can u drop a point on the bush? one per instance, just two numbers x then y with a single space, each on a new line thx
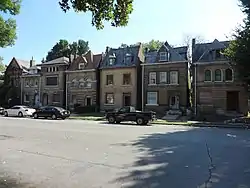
84 109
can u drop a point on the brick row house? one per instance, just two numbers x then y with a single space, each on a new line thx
120 77
215 86
158 80
166 77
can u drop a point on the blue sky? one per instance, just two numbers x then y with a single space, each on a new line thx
41 24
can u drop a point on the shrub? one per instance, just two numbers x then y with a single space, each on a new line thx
84 109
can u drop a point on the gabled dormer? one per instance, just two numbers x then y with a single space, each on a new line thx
214 51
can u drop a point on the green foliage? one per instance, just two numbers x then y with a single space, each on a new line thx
64 49
152 45
239 48
8 27
114 11
2 66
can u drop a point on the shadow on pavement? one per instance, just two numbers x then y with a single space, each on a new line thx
198 157
12 183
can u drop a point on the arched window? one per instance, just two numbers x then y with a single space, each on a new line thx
229 74
89 83
208 75
218 76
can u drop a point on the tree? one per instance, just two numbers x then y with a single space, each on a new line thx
239 48
2 66
64 49
152 45
115 11
8 27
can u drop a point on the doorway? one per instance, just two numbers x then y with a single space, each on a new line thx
45 99
174 102
88 101
232 100
126 99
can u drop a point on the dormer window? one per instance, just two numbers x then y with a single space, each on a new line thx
128 58
81 66
111 61
218 54
164 56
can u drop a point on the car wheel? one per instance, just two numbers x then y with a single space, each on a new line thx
111 119
146 122
20 114
63 118
6 114
35 116
139 121
54 117
118 122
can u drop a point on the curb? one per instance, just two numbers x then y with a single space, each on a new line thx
233 126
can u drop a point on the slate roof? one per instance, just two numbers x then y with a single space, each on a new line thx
204 52
119 54
61 60
176 54
23 63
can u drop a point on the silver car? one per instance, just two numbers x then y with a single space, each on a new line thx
19 111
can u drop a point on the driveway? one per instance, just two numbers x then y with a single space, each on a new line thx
86 154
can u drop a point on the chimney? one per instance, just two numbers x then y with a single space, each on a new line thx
32 62
193 43
107 49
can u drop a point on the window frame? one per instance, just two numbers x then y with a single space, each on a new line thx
155 103
163 80
46 81
221 75
210 71
166 56
123 80
25 98
107 79
79 66
226 75
170 80
55 101
150 78
106 98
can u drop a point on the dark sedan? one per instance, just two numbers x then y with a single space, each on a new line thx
51 112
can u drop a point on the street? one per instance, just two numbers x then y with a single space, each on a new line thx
88 154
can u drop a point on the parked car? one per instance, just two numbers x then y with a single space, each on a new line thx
129 113
19 111
51 112
1 110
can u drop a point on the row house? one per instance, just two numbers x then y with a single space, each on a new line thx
216 87
120 77
81 81
166 77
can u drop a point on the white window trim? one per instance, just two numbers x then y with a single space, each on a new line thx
110 104
81 64
232 76
163 81
156 104
211 75
170 78
221 76
149 78
166 56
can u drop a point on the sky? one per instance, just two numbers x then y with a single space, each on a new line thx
41 23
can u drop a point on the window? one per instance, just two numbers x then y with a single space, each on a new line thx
27 83
88 83
54 69
81 66
173 77
111 61
26 98
57 68
217 54
51 81
109 98
163 77
152 78
229 75
126 79
88 101
56 98
36 82
109 79
218 76
152 98
163 56
208 75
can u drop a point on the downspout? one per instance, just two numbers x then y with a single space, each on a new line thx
142 86
40 82
195 89
21 100
66 92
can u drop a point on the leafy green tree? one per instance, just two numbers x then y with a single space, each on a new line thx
64 49
8 27
114 11
152 45
239 48
2 66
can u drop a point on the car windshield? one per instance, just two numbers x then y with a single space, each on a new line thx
59 109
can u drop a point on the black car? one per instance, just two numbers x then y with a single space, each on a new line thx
1 110
129 113
51 112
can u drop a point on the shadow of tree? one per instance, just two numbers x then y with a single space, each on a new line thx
7 182
199 157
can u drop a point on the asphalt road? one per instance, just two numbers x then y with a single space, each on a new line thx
85 154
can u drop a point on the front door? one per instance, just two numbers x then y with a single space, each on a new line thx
232 100
127 99
174 102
